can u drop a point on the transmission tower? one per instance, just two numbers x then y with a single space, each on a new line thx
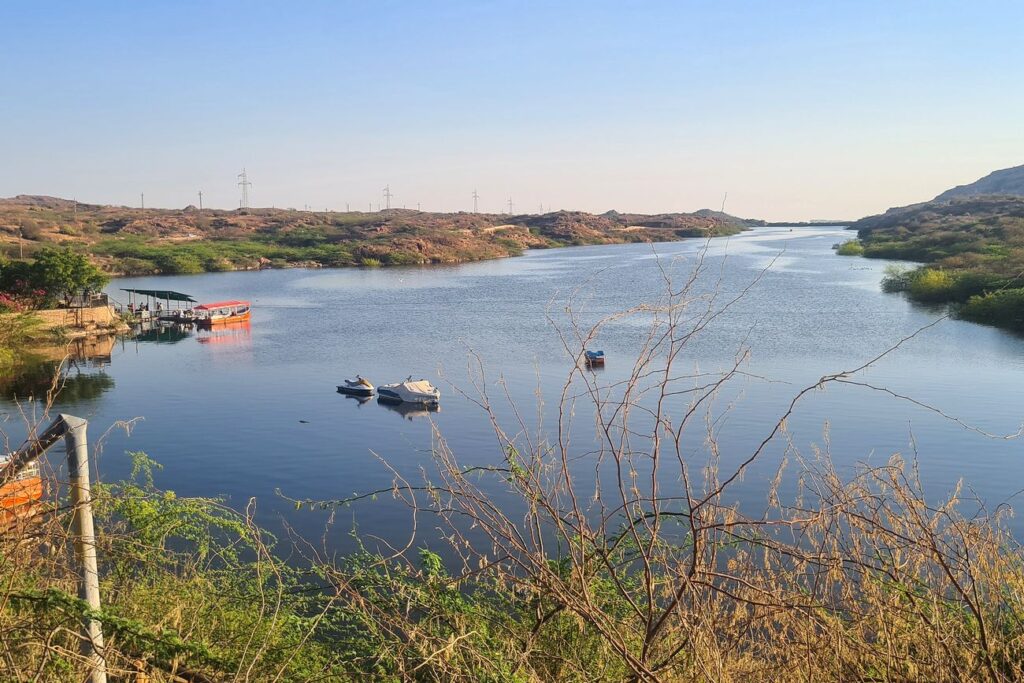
387 197
142 200
245 185
476 198
509 206
200 200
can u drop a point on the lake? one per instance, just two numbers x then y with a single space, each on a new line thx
242 413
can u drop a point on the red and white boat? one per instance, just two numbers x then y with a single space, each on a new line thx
222 313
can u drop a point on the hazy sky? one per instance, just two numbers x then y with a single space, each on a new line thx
797 109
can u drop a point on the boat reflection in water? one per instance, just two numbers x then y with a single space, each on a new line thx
161 333
226 334
360 400
410 410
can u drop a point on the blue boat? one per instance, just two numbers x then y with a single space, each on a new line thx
594 357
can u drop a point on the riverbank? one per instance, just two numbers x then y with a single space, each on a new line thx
127 241
971 250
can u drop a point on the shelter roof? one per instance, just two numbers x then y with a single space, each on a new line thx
165 294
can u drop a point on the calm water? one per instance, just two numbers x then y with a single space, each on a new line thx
242 413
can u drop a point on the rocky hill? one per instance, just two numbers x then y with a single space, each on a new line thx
139 241
1008 181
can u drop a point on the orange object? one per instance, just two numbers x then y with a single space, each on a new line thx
222 312
27 487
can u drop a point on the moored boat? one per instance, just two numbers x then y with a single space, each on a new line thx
26 487
594 357
410 391
360 386
222 312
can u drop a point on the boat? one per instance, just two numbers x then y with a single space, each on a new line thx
410 391
26 487
594 357
222 313
357 387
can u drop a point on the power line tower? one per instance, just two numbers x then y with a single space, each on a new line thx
509 206
723 201
200 200
245 185
387 197
476 198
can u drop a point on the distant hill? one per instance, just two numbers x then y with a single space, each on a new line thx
978 216
1008 181
127 240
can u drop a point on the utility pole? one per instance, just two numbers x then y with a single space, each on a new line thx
200 200
476 198
723 201
387 197
245 185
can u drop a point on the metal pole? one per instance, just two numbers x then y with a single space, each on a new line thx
85 538
73 430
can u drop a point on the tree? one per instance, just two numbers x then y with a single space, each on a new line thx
30 229
62 273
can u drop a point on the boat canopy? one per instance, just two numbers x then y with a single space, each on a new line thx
421 386
221 304
165 294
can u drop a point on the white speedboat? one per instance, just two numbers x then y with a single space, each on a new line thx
409 391
359 386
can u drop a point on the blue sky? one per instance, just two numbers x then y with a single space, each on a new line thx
796 109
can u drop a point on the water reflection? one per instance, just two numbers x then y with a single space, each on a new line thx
410 410
70 374
360 400
229 334
161 333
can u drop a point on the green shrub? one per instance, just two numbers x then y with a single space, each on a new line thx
179 264
975 283
135 266
1004 308
896 278
931 286
30 229
850 248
